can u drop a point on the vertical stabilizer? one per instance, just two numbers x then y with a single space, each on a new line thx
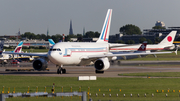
18 49
143 46
168 40
51 42
104 37
1 45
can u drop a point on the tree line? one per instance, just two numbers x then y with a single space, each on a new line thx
58 37
128 29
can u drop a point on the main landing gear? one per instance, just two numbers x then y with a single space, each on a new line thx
61 70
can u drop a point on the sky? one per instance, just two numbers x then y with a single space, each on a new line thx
36 16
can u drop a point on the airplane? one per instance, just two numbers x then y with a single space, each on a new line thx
81 53
141 49
165 44
18 49
6 57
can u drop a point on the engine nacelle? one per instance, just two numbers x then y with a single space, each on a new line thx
40 64
102 64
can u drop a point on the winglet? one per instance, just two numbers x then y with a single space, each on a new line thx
168 40
143 46
104 37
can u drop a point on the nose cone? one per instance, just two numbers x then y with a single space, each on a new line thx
53 57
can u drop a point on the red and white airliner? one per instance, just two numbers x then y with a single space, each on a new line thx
165 44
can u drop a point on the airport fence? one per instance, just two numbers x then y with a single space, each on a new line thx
87 93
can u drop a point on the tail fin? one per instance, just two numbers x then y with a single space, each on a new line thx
18 49
168 40
1 45
143 46
51 42
104 37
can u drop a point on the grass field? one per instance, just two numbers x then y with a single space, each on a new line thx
127 85
153 74
160 57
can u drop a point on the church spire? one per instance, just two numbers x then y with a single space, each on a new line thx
70 29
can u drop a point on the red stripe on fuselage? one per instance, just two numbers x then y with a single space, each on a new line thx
137 48
83 52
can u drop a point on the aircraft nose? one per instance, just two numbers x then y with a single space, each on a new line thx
52 57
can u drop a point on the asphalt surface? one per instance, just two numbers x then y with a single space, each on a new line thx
115 69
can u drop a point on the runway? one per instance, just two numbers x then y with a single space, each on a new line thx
113 71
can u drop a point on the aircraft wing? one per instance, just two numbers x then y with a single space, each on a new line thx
123 54
28 54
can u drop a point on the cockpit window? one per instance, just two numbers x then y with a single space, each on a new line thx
58 49
55 49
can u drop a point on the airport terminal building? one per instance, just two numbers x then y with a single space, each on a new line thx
35 43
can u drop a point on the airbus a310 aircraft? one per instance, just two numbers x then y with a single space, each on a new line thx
81 53
165 44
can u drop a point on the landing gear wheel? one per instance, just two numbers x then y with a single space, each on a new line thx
59 71
98 72
64 71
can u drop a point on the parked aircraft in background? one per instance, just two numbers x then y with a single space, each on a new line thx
165 44
141 49
81 53
6 57
1 46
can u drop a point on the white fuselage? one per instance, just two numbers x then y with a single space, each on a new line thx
70 53
155 47
5 56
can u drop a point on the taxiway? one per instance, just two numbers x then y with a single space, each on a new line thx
113 71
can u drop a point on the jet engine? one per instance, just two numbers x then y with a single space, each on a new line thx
40 64
102 64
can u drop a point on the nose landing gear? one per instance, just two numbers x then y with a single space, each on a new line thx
61 70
